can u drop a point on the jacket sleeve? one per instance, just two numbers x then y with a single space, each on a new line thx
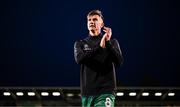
82 56
115 51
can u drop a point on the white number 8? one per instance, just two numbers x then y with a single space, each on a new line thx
108 102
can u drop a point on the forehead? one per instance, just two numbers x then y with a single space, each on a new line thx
94 16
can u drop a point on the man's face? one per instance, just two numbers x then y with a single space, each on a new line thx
94 22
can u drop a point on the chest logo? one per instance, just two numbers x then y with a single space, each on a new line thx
86 47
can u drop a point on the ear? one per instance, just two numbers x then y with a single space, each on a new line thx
102 24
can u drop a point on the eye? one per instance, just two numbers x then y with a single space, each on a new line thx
95 19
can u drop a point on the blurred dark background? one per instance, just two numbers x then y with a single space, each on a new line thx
37 39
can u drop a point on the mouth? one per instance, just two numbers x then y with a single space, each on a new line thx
91 26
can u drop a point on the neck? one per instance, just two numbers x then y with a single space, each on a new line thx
94 33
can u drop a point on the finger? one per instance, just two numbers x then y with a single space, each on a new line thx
104 37
105 31
105 27
110 30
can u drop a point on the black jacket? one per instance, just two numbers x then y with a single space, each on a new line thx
97 65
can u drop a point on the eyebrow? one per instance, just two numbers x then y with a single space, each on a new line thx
93 18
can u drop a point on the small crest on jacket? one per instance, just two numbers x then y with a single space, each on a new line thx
86 47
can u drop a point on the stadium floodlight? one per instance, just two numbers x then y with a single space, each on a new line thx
132 94
44 94
158 94
79 95
56 94
171 94
70 94
120 94
145 94
31 94
19 93
6 93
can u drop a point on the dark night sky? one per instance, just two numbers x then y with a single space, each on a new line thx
37 39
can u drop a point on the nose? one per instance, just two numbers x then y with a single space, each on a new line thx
91 21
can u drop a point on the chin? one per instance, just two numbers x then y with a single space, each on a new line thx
90 29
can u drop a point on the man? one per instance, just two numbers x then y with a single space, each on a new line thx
98 55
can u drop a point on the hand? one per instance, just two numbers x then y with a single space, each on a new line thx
103 41
108 33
